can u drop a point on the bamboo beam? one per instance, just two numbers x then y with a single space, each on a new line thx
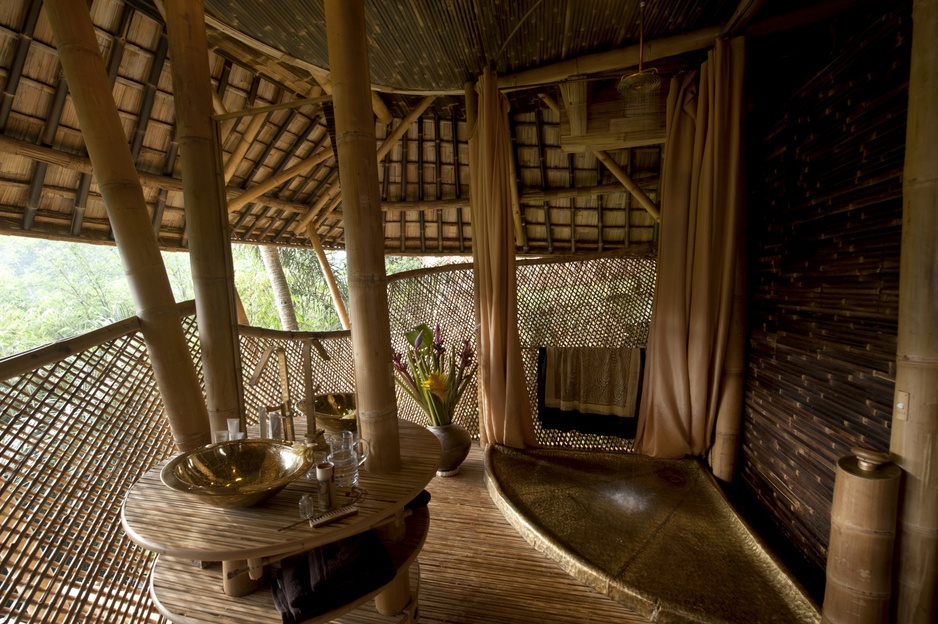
521 239
433 205
15 70
337 300
745 12
226 126
271 107
914 439
104 135
612 60
574 99
82 164
614 167
367 281
206 218
244 143
389 142
405 125
534 196
381 110
255 193
629 184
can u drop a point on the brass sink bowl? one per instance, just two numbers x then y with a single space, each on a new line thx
237 473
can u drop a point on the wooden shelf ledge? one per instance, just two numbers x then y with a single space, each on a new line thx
188 594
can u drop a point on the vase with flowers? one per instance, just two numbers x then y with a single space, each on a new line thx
436 380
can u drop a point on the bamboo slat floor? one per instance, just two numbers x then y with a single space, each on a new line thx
476 569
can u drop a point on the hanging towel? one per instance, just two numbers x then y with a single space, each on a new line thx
590 389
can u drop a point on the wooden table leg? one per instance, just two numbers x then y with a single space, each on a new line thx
395 596
236 578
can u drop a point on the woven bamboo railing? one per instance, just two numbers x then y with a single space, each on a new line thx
81 419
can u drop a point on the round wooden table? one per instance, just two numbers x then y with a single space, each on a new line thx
182 528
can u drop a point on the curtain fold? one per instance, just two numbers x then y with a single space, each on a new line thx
504 408
698 258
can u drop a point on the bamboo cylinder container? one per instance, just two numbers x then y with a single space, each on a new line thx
863 533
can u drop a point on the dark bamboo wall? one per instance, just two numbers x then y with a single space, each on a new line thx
825 222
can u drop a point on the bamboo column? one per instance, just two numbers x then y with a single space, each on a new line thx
120 187
914 442
206 218
367 281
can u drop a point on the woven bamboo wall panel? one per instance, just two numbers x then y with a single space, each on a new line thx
74 436
824 309
598 302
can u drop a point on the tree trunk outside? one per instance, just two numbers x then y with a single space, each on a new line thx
278 282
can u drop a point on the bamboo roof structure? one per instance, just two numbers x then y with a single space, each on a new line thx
270 75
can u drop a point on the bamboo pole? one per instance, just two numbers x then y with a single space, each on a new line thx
367 281
206 218
381 109
255 192
405 124
244 143
269 108
629 184
107 146
612 60
729 421
225 127
914 440
337 300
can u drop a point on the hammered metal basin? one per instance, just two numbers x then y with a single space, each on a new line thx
238 473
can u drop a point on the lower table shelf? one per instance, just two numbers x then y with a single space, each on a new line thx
189 594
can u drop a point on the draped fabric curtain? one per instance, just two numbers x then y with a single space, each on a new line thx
698 257
504 409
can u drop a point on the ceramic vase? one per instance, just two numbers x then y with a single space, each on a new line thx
455 441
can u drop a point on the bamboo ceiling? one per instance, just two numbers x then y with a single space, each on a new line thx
421 54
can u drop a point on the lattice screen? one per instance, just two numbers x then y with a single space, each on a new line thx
76 434
599 302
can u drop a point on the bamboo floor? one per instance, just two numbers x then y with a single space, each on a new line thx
476 568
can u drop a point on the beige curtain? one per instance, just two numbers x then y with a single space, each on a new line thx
504 409
701 212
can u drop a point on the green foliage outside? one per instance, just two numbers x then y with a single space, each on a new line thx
53 290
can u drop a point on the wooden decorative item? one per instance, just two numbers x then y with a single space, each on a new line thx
863 530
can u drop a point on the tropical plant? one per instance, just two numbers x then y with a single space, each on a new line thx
436 382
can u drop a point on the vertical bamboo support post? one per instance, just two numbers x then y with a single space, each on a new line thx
119 183
914 442
206 216
313 236
729 423
367 280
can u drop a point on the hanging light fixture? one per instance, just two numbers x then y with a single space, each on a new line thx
644 81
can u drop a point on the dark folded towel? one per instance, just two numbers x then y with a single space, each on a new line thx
327 577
